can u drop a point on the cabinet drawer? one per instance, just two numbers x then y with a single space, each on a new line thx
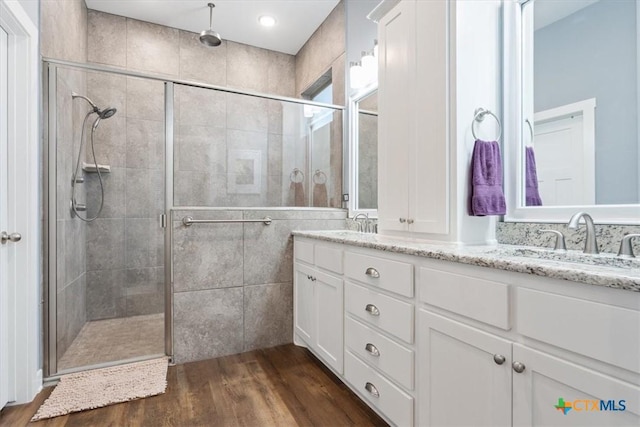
479 299
303 251
377 350
600 331
328 258
387 313
378 391
384 273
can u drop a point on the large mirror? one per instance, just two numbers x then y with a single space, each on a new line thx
578 131
364 115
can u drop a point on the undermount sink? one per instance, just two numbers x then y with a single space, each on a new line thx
576 257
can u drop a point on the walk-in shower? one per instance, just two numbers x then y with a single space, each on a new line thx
126 273
76 178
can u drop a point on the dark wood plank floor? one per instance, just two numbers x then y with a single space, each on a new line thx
280 386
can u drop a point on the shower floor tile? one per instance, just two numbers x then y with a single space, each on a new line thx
110 340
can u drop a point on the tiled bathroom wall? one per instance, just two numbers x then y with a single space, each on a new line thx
233 282
125 246
63 29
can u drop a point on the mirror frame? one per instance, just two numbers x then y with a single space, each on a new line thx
354 101
513 132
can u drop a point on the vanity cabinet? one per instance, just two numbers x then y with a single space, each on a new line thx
465 374
413 145
432 343
318 303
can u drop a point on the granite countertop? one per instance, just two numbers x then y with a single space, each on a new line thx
520 259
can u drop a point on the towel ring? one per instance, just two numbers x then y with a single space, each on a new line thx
479 115
321 175
294 173
530 129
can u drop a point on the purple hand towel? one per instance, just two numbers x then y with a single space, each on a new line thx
487 197
532 195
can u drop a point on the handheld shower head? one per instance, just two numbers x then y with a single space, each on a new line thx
103 114
107 113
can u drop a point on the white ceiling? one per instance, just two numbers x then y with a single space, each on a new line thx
235 20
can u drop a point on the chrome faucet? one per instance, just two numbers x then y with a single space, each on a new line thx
590 243
626 249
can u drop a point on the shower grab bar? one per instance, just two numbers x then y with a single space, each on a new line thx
188 220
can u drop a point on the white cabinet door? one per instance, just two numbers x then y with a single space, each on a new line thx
303 303
318 313
429 154
460 380
396 35
552 391
329 318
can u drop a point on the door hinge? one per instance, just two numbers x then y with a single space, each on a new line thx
163 221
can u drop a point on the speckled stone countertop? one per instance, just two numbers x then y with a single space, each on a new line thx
601 270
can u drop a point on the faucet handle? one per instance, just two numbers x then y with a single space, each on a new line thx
626 249
560 245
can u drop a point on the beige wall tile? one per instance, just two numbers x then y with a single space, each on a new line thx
153 48
247 67
107 39
201 63
63 30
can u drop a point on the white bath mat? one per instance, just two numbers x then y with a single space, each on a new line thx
102 387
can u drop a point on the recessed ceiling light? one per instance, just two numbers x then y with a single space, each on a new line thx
267 21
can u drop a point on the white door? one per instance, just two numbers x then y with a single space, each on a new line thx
20 373
464 374
552 391
4 248
328 307
565 156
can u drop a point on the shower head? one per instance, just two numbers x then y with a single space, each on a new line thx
103 114
209 37
106 113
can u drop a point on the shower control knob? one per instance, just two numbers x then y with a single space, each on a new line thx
13 237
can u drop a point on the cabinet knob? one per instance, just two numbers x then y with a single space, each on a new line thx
373 391
403 220
518 367
372 310
372 272
499 359
409 221
372 350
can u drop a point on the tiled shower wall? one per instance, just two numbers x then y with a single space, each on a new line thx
63 36
125 246
233 282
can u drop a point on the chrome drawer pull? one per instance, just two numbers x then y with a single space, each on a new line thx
372 349
373 391
372 310
372 272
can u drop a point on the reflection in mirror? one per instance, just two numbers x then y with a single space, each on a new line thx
580 102
364 150
368 152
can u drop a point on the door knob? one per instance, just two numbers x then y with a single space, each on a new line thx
409 221
499 359
13 237
403 220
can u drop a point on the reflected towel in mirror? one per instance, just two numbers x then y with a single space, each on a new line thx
532 195
487 197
